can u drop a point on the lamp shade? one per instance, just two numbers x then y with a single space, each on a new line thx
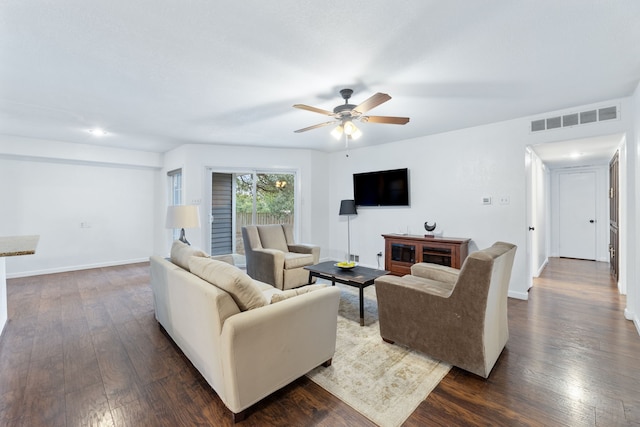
183 216
348 207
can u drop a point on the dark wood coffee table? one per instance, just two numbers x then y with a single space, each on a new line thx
359 277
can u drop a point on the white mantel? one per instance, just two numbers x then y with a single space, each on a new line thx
12 246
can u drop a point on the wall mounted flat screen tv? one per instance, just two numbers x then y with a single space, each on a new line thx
381 188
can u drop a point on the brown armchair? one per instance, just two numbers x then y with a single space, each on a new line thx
274 258
457 316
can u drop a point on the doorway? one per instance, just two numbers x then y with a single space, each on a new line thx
547 161
577 215
242 198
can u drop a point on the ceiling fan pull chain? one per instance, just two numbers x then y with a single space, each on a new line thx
346 144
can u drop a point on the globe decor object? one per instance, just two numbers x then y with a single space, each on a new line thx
429 229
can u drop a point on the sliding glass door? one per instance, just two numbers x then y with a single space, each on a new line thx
245 198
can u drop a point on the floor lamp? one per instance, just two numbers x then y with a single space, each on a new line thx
348 208
183 216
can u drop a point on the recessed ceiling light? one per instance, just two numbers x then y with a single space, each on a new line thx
97 132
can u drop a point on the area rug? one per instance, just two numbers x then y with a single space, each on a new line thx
383 382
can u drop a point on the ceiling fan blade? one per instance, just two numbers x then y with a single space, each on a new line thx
372 102
385 119
313 109
333 122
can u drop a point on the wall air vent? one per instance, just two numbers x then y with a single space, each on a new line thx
554 123
588 117
575 119
570 120
608 113
537 125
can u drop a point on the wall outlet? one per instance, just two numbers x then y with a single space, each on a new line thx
355 258
486 200
379 254
505 200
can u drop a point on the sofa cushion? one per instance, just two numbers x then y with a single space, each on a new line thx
272 237
226 258
230 279
181 253
267 290
289 293
294 260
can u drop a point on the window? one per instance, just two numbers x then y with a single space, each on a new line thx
175 192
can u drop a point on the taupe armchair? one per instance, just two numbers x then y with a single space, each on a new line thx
274 258
457 316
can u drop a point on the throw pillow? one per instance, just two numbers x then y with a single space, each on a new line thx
181 253
230 279
290 293
225 258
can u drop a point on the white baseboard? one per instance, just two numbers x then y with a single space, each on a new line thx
544 264
74 268
518 295
633 317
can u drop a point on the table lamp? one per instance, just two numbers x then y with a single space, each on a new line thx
183 216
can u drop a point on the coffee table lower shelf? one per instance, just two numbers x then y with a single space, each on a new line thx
359 277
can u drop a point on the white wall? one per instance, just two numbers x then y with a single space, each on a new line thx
196 162
450 173
602 209
51 188
630 239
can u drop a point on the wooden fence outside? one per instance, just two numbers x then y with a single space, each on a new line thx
243 219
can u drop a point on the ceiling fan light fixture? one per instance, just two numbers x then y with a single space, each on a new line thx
344 115
349 127
351 130
337 132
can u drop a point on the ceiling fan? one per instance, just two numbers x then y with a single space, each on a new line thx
344 115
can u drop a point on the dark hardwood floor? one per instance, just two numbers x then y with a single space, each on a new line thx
83 348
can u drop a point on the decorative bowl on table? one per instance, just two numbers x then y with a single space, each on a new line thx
345 265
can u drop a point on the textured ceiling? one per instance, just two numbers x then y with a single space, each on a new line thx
158 74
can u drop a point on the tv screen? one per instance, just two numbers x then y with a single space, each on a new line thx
381 188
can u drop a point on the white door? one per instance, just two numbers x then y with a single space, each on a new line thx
577 212
530 206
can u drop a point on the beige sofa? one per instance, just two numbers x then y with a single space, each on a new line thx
243 344
457 316
273 257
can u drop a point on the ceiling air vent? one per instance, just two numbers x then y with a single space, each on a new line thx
575 119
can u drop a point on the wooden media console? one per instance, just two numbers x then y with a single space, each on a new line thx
404 250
